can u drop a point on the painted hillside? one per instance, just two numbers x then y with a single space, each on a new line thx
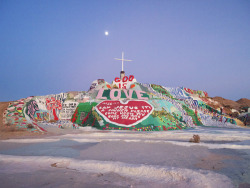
122 105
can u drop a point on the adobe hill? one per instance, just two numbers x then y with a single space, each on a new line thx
244 102
228 105
125 104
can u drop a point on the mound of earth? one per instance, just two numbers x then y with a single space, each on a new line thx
123 105
227 103
244 102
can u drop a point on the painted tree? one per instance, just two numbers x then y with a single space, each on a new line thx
53 104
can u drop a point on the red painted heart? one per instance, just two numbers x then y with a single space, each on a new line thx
124 114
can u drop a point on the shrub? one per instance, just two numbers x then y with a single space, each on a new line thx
195 139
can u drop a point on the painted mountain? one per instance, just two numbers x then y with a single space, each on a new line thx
123 105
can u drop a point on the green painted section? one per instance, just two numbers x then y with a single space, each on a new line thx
191 113
82 110
157 121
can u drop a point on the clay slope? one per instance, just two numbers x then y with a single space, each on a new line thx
3 106
244 102
226 103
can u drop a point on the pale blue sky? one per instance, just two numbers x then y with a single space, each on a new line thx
50 46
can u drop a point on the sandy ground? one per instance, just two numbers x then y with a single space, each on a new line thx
3 106
92 158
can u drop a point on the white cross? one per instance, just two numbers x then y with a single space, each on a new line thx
122 59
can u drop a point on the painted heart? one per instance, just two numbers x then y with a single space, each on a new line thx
124 114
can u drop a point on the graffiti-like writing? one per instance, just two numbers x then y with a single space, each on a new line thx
68 109
117 92
127 114
125 82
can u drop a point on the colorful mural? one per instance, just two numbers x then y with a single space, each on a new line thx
196 92
21 114
172 109
123 105
31 108
53 104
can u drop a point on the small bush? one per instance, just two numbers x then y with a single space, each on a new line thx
54 165
195 139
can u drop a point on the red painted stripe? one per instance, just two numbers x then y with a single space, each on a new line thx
178 126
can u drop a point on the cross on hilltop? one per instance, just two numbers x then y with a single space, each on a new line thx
122 59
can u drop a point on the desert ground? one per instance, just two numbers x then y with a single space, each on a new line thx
92 158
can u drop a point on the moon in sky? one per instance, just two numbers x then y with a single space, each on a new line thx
106 33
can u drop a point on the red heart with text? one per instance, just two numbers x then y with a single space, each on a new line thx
124 114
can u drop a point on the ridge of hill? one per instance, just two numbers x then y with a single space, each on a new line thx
244 102
229 105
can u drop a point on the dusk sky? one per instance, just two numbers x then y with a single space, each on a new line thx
50 46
